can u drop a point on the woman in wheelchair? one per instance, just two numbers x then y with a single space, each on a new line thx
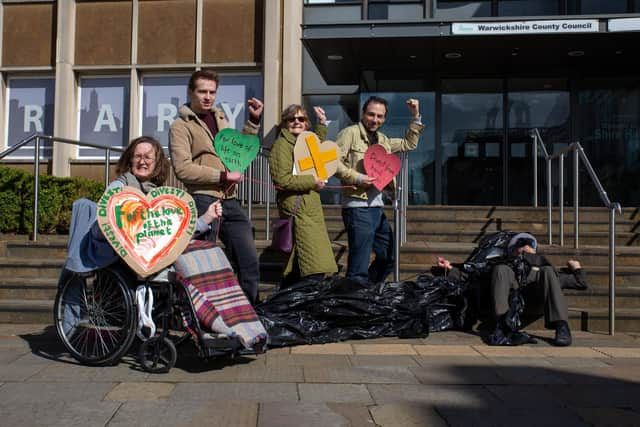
98 313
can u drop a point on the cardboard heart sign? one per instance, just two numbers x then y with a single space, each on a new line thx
148 232
236 150
311 157
381 165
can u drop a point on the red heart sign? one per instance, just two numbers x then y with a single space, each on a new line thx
381 165
148 232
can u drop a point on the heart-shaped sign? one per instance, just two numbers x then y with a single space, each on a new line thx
148 232
312 157
381 165
236 150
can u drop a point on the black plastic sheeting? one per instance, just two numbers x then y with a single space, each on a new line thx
336 309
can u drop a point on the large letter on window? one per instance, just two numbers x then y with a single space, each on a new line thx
105 118
231 114
33 114
166 114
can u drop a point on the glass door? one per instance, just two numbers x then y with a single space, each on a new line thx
542 104
471 142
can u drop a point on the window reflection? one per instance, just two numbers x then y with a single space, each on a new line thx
528 7
162 97
609 130
453 9
104 114
599 6
471 139
29 110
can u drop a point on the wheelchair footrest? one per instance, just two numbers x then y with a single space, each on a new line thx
222 345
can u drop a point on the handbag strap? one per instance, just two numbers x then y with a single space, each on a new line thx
295 207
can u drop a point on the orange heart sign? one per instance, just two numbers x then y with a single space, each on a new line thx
381 165
148 232
314 158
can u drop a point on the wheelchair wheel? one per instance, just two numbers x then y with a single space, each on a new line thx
157 355
95 317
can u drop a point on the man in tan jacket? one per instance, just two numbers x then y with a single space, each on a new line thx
366 225
198 166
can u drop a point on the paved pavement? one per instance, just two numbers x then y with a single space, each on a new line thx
448 379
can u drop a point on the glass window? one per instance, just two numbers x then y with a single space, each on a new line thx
599 6
422 159
609 130
472 137
528 7
29 110
162 96
330 1
233 93
382 9
453 9
547 111
104 114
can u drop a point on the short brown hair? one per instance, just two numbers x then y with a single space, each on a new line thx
289 112
205 75
161 169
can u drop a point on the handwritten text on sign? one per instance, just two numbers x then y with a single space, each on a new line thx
381 165
236 150
148 232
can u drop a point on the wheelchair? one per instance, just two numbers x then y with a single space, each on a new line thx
96 317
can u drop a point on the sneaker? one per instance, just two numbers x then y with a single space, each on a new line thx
563 334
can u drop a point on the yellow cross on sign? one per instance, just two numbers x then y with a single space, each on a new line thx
318 158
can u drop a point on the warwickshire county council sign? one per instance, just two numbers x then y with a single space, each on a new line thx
526 27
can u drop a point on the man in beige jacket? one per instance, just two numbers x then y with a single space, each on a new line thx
198 166
364 220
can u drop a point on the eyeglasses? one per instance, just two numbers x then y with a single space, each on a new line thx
300 119
146 158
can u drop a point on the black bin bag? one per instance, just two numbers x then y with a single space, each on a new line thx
337 309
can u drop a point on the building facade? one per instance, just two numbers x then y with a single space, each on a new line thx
486 73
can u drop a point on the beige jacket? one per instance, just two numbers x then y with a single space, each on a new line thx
353 143
193 156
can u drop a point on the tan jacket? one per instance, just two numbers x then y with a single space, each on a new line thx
193 156
353 143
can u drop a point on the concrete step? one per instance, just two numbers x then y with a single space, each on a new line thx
26 311
28 288
596 320
468 212
31 268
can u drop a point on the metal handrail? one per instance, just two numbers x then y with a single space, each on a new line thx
36 164
613 207
247 191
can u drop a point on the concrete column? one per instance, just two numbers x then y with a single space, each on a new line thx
273 10
134 81
3 89
65 90
292 53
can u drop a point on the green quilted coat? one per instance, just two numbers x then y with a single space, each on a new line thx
312 248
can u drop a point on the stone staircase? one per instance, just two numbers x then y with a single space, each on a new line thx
29 271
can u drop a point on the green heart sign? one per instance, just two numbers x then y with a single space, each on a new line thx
236 150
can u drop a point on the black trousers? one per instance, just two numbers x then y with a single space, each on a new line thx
236 233
542 290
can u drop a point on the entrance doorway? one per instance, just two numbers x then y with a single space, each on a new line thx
485 146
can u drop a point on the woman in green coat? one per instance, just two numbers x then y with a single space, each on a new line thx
312 254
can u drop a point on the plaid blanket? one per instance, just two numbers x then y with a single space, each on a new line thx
220 303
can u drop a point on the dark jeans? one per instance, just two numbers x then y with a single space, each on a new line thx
368 230
237 236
